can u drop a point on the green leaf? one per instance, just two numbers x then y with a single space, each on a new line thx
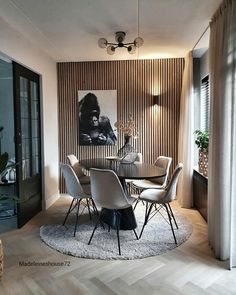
202 139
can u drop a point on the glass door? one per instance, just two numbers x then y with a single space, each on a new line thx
28 145
8 213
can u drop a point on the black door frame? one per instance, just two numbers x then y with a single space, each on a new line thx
26 207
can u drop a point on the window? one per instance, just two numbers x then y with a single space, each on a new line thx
204 104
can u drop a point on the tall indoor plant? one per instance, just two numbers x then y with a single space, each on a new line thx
202 142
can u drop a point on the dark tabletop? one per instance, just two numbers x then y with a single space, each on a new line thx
128 171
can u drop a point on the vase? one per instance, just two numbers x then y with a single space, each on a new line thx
203 162
127 147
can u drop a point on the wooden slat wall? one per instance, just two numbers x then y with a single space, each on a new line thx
136 81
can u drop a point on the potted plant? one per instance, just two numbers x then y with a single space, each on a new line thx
202 142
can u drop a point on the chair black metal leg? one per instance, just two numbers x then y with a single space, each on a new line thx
167 210
146 217
135 234
94 207
68 212
117 229
95 227
90 216
77 216
102 224
136 203
173 215
146 210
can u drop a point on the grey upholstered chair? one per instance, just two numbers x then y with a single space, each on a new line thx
130 181
74 163
77 192
163 197
109 194
158 183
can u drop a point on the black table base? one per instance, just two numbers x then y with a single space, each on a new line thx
127 218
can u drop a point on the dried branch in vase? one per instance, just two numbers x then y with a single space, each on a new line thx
128 128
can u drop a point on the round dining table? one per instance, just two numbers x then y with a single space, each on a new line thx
124 171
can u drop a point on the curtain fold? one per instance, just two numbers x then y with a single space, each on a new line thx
186 139
222 145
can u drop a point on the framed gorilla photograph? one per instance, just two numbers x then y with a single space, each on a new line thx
97 115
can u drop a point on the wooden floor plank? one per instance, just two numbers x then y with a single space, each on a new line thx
189 269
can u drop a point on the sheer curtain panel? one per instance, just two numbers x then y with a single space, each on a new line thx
186 140
222 147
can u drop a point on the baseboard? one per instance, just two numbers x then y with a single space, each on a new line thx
51 200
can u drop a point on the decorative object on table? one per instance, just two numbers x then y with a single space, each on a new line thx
129 158
113 158
202 142
128 129
97 114
157 238
1 259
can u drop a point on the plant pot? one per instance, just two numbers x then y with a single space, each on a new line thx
203 162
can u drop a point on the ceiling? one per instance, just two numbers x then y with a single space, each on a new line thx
68 30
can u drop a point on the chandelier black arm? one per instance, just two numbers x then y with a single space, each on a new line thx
131 43
116 45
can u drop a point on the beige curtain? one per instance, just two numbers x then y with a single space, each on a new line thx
186 140
222 147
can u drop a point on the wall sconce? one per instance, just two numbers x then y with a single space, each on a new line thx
155 100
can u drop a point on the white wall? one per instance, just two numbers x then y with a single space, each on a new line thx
15 46
7 109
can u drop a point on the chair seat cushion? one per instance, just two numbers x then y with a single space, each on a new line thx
84 180
145 184
153 195
87 190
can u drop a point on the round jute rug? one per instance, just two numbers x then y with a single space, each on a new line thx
157 238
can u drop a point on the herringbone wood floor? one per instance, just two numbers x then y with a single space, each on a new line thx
189 269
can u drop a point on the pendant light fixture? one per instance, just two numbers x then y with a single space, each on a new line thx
120 38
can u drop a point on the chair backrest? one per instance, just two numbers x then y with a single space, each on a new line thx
171 188
73 186
163 162
139 158
74 162
107 190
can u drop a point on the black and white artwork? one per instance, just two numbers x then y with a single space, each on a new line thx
97 115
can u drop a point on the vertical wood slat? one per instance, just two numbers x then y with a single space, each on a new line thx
136 82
